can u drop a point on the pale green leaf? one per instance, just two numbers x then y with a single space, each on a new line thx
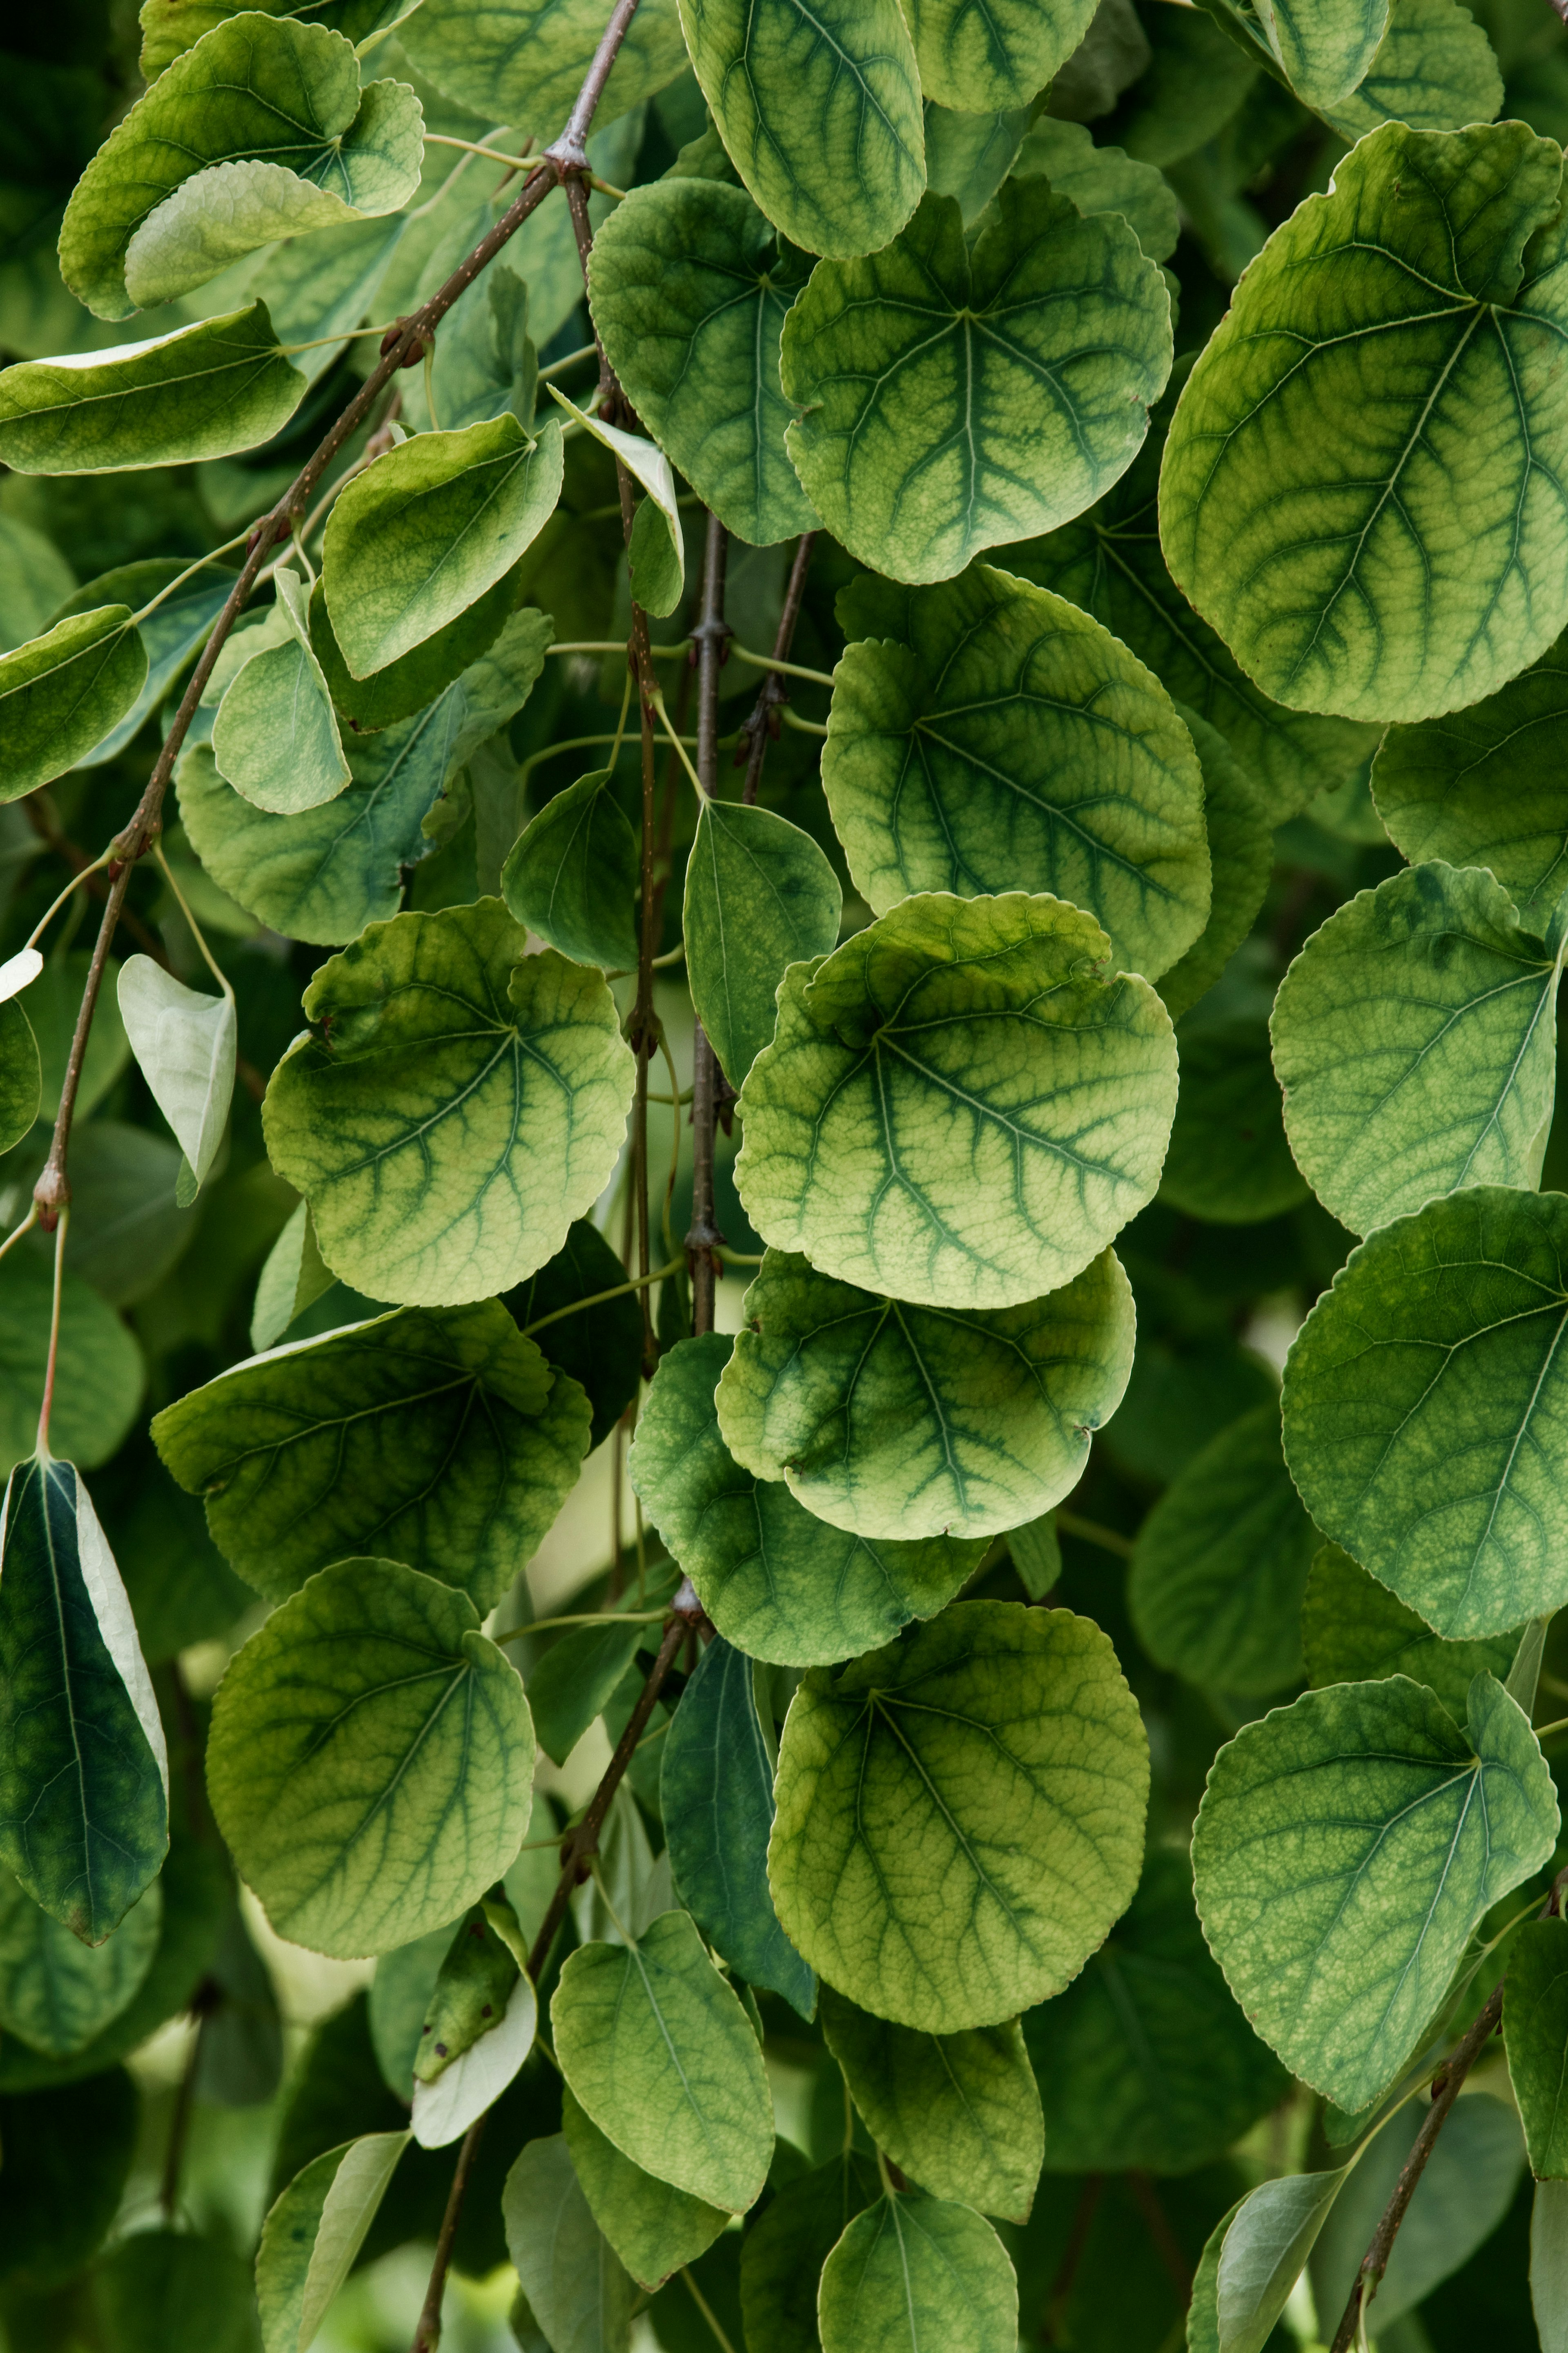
20 1083
62 693
1415 1039
1464 2190
897 1421
689 288
961 1815
1354 1631
317 289
84 1773
455 1106
1145 2060
957 1107
952 399
759 896
979 54
819 107
185 1044
275 738
1426 1413
197 392
1263 2254
1535 2027
989 737
576 2284
313 2233
421 534
526 59
18 972
1220 1565
776 1580
56 1993
1241 862
1331 499
439 1436
912 2274
406 685
968 156
99 1374
400 1995
371 1759
1324 45
1346 1848
1228 1161
1482 787
1434 70
655 2047
656 553
1102 180
255 87
653 2227
475 2078
573 875
958 2114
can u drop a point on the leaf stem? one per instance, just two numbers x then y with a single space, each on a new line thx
1094 1532
584 1617
445 139
1545 1731
706 2309
189 574
710 635
762 728
597 1298
697 783
616 645
562 367
15 1236
48 1399
82 874
778 668
213 965
52 1190
802 726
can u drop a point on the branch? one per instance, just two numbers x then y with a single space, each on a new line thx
710 634
762 728
427 2335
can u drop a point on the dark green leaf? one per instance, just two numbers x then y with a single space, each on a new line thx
572 875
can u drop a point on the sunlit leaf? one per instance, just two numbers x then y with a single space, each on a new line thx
653 2227
275 738
312 2234
913 2271
185 1042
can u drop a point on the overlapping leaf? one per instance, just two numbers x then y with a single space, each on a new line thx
1353 1630
759 896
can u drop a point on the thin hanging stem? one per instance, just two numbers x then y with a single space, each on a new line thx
763 726
597 1298
15 1236
52 1190
190 573
678 747
44 1410
212 964
1073 1523
105 858
710 635
706 2309
581 1617
780 669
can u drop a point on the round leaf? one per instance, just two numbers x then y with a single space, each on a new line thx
1426 1409
957 1108
652 2226
1228 1160
371 1760
1354 1631
457 1104
573 875
913 2271
899 1421
56 1993
991 737
1000 55
100 1374
961 1815
527 60
1359 489
1435 69
953 399
1345 1848
759 896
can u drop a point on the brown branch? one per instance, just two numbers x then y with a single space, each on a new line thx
427 2335
52 1190
762 728
711 632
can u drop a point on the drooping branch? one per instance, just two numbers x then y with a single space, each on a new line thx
763 727
709 634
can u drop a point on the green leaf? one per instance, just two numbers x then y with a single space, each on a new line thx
1035 1552
1346 1848
1423 1409
1102 180
420 535
1480 787
776 1579
600 1348
1549 2265
980 57
957 1107
525 60
899 1421
275 738
56 1993
1325 500
255 87
61 2203
988 737
690 286
656 551
660 2053
325 875
913 2273
959 2114
457 1104
216 218
35 580
570 2275
400 1995
439 1436
961 1815
653 2227
1354 1631
1112 564
197 392
185 1043
1324 45
968 156
575 1679
20 1080
1434 70
786 2245
953 398
1464 2190
759 896
313 2233
820 110
325 287
171 633
1145 2060
84 1774
61 693
1228 1161
485 360
444 2109
716 1795
573 875
1241 863
100 1372
1415 1036
371 1759
406 685
1535 2028
1220 1565
169 2292
1263 2252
